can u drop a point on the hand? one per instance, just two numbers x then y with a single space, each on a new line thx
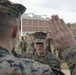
62 37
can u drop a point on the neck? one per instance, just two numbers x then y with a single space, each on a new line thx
6 44
42 54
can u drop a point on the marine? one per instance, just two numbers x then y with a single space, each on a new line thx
10 14
43 55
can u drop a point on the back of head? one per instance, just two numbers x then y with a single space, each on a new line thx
9 15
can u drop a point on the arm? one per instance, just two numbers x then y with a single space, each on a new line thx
69 55
64 41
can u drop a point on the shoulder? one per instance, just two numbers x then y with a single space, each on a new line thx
12 65
9 65
36 67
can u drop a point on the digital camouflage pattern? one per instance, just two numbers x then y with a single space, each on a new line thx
12 9
29 46
26 54
69 55
49 59
22 46
10 65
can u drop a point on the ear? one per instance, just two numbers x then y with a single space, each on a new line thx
15 31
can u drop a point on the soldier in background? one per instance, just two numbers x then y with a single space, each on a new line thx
43 55
22 45
29 43
47 58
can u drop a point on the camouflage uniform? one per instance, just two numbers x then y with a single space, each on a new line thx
69 55
10 65
14 66
29 46
22 46
26 54
48 59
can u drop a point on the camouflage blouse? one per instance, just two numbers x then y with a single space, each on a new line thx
10 65
49 59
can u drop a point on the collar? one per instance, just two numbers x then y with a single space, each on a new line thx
4 51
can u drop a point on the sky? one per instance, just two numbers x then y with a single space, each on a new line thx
66 9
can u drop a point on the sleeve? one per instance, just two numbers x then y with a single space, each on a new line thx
69 55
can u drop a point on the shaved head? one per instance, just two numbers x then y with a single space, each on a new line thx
6 24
